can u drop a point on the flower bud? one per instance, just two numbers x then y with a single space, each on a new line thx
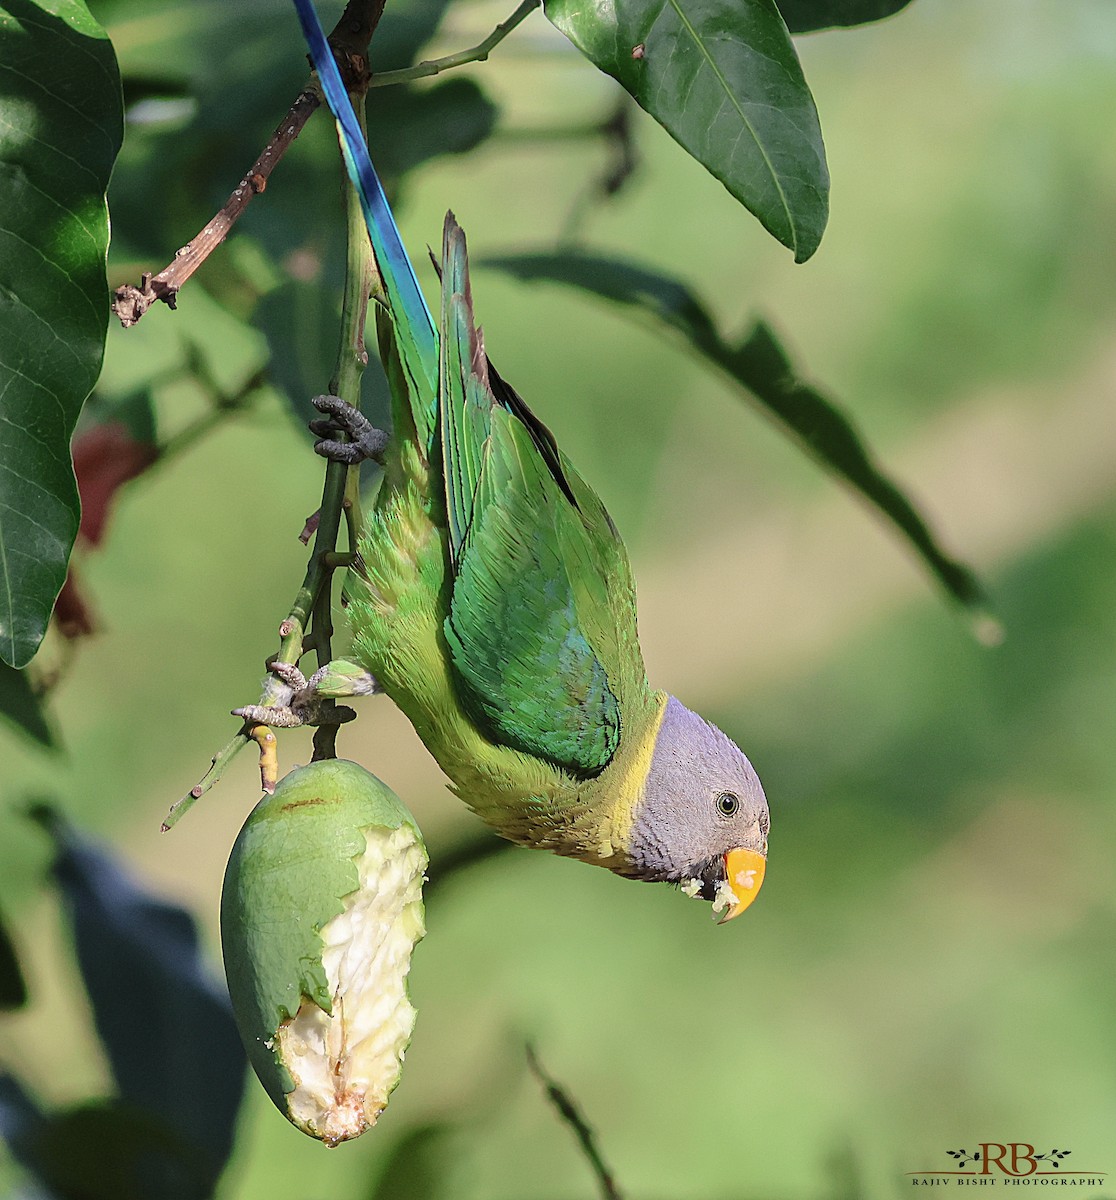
320 912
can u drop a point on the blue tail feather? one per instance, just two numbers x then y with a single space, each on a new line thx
416 333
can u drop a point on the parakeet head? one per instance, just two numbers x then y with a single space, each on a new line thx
702 820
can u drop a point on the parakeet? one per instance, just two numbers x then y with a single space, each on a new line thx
492 600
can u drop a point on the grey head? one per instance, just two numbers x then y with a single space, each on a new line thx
703 814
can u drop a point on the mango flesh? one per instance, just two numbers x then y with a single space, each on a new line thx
320 912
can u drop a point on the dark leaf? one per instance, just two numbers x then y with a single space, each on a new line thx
21 706
110 1151
60 130
722 77
134 410
167 1027
762 367
19 1114
13 988
802 16
20 1120
403 32
300 322
409 126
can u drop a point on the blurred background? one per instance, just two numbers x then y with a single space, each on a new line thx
932 963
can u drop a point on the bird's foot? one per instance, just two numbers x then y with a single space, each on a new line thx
364 439
302 701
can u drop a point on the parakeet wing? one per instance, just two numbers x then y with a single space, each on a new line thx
529 630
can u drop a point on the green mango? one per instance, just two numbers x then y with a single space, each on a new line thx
320 912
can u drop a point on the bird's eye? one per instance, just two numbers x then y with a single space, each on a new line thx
727 804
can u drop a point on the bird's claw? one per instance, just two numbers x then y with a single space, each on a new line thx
364 439
316 712
301 701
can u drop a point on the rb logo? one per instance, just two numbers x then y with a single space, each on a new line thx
1020 1158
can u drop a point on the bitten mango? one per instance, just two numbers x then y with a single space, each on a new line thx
320 913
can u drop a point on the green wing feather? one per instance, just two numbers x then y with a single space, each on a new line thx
541 628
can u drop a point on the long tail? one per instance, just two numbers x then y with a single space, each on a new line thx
415 331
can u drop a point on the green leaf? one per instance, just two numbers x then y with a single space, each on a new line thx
762 367
60 130
722 77
761 364
802 16
409 126
21 706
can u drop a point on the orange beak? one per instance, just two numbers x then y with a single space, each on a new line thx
744 874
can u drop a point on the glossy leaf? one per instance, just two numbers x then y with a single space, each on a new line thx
167 1027
802 16
762 367
60 130
722 77
21 706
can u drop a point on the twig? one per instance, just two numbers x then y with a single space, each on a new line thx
216 769
340 480
222 406
625 157
130 302
621 165
309 621
479 53
291 634
349 41
567 1110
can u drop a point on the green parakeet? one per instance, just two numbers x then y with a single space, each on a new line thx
493 602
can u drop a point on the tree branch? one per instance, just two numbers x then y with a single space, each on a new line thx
479 53
349 41
360 273
569 1113
313 603
129 302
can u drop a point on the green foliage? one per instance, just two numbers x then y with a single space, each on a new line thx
762 367
802 16
60 130
722 77
20 705
167 1033
933 957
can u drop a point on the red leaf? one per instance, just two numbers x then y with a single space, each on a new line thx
72 615
105 457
